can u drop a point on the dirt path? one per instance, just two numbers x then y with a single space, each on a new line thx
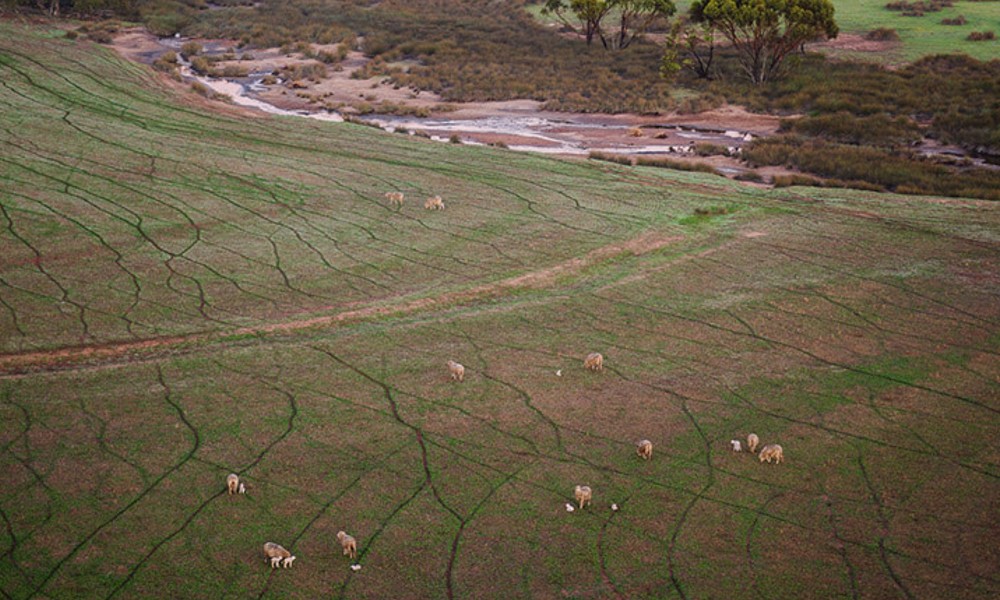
122 352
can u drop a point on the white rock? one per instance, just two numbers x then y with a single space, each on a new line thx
614 507
569 507
355 567
559 373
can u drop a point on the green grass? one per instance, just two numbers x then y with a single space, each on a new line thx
921 36
186 265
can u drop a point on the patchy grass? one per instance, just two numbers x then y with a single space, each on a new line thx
188 291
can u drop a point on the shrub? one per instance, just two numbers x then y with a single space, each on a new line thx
620 159
868 130
959 20
72 35
981 36
679 165
706 149
882 34
190 49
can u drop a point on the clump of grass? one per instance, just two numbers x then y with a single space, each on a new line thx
714 211
455 139
620 159
753 176
959 20
707 149
678 165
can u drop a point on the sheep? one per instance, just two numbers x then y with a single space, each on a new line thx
594 362
736 445
348 543
644 448
434 203
233 483
457 371
772 451
243 488
277 555
752 442
583 495
395 198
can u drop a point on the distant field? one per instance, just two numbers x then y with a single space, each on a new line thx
925 35
188 291
920 36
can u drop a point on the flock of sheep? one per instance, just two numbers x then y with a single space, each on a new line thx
278 556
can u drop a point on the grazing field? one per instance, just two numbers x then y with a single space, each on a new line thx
188 291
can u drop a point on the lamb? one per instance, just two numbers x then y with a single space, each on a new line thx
583 495
457 371
277 555
434 203
395 198
234 485
644 448
752 442
772 451
594 362
348 543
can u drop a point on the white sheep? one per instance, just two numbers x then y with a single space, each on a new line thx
233 483
395 198
772 451
736 445
277 555
594 362
457 370
752 442
583 495
434 203
644 448
348 543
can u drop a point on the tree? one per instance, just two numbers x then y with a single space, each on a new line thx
689 45
634 17
764 32
588 13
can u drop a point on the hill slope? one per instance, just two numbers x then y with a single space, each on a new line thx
188 291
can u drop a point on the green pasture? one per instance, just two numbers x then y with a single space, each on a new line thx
189 290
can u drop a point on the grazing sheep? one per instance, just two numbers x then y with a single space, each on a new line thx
736 445
594 362
233 483
772 451
752 442
583 495
395 198
644 448
277 555
434 203
348 543
457 370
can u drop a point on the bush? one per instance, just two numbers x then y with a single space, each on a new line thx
981 36
190 49
753 176
620 159
678 165
706 149
882 34
959 20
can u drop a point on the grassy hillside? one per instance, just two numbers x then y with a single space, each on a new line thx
187 292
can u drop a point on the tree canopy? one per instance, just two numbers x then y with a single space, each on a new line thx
764 32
